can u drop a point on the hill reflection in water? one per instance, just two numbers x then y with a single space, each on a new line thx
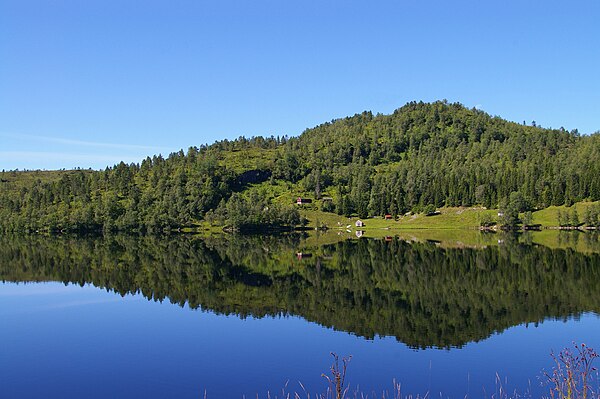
422 294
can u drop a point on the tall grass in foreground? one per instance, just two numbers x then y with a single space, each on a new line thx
573 376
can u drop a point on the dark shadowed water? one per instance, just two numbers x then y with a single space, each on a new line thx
232 316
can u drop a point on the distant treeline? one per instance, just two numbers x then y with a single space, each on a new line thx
424 154
417 292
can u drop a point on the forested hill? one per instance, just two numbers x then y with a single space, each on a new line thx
437 154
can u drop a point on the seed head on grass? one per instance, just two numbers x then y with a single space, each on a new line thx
338 377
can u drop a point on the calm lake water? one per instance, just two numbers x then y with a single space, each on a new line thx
175 317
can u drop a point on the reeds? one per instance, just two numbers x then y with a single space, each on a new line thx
573 376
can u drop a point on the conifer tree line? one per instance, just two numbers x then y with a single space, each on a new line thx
422 155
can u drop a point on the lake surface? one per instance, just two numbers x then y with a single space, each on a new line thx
231 316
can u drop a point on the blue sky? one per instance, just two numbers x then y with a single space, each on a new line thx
89 83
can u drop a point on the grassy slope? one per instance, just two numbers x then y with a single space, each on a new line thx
449 218
248 159
549 216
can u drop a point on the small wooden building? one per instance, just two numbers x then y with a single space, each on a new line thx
303 255
301 201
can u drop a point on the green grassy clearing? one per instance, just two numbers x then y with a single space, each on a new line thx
549 216
448 218
248 159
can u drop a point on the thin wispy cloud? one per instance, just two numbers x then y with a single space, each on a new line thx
82 143
47 160
60 156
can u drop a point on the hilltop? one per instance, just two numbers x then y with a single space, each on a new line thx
421 157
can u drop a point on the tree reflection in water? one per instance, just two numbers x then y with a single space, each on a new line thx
420 293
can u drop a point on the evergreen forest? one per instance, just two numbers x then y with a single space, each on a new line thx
421 157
